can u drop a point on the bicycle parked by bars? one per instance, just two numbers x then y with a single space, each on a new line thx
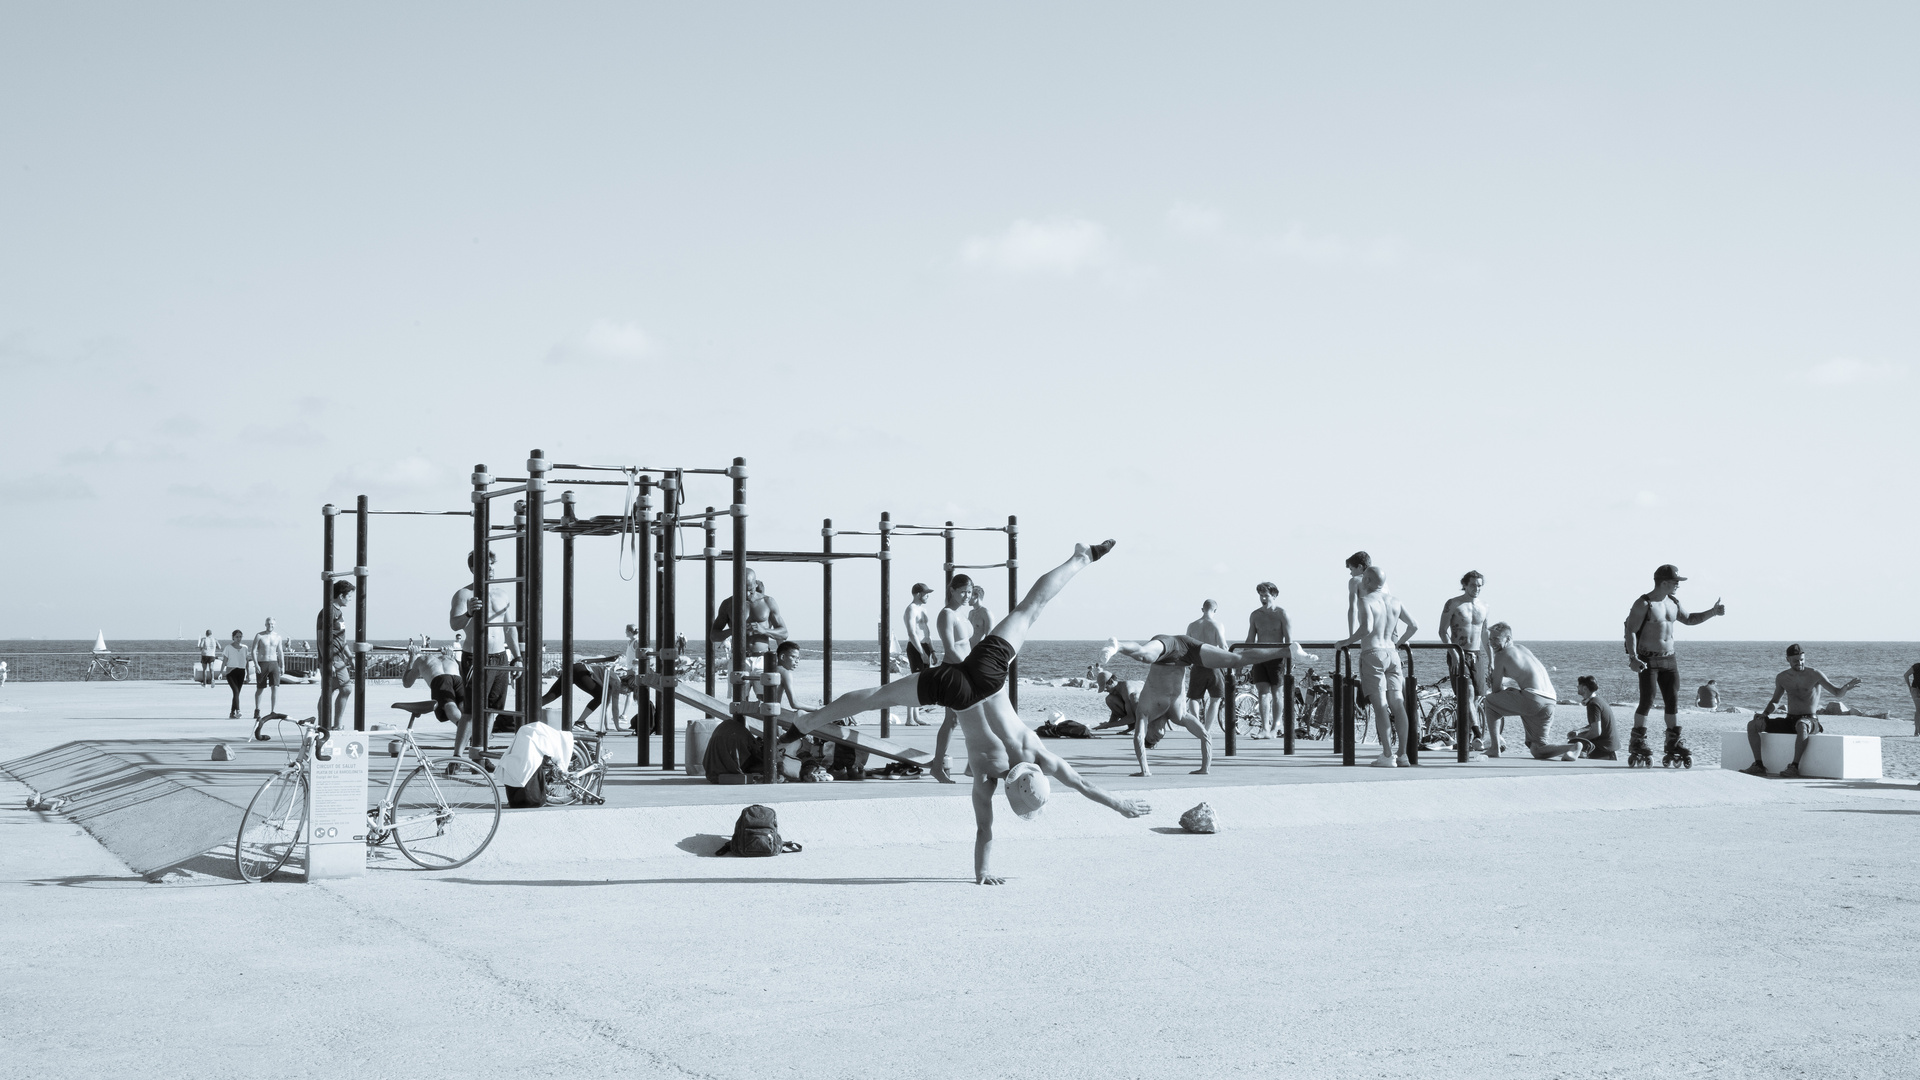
108 666
441 813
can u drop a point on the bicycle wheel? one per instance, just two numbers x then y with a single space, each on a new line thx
583 781
1246 706
445 813
270 829
116 671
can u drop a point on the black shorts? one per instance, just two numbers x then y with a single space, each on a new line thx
1268 673
1177 649
1202 681
971 681
445 688
1786 725
918 660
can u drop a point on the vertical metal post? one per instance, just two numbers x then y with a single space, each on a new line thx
567 520
643 622
1342 731
947 567
826 611
1287 716
533 617
477 720
523 702
1353 686
670 497
770 744
706 630
360 617
886 615
1462 696
323 647
1410 692
1227 715
1013 597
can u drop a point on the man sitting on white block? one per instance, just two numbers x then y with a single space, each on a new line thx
1801 685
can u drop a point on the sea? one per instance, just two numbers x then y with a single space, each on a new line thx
1743 671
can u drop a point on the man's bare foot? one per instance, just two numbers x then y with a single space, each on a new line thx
989 879
1106 653
1142 772
1099 550
1199 772
1135 808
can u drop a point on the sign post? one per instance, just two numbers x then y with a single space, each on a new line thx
337 808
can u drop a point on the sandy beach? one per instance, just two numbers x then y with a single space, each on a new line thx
1505 922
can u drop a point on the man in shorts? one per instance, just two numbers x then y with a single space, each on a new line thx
330 639
1268 625
1357 564
1207 686
1801 686
441 668
1463 623
268 649
1159 702
920 652
1649 641
1379 615
502 643
979 619
984 671
208 646
1531 697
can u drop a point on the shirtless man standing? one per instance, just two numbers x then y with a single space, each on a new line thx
1000 746
978 617
1531 697
766 629
1380 615
1206 686
1801 686
984 671
441 668
330 640
957 637
1463 622
1357 564
1268 625
1159 704
920 652
268 650
1649 642
502 642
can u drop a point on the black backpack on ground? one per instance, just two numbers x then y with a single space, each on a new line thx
756 834
534 795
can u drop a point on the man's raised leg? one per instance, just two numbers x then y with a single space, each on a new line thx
900 694
1013 628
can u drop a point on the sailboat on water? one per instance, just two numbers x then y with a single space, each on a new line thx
100 642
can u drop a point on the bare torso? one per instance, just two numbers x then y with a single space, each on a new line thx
1379 614
1466 623
1802 688
1269 624
1208 629
980 621
920 627
1655 636
997 740
1518 663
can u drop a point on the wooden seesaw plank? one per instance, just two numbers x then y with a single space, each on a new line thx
850 736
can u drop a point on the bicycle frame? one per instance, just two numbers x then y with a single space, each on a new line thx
380 819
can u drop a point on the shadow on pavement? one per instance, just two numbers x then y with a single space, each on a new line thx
563 882
1865 811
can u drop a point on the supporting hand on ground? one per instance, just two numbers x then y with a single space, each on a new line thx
939 770
1134 808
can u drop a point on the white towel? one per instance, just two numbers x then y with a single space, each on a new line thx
531 744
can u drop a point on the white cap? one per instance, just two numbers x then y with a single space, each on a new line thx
1027 789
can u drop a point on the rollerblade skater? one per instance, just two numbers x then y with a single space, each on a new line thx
1639 754
1676 754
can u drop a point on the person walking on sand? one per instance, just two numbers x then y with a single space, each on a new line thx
268 650
1463 623
1159 702
209 645
1380 615
984 671
919 645
1268 625
1801 686
1649 642
1531 697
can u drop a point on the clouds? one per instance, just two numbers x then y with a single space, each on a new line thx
1192 221
1056 247
603 342
1850 371
46 487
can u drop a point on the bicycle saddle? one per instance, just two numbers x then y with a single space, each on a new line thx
415 709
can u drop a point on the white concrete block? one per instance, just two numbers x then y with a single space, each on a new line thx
1829 757
1842 757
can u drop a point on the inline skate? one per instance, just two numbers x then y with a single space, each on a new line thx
1676 755
1639 754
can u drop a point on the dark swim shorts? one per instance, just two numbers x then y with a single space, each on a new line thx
1789 725
1177 649
1202 681
971 681
917 658
445 688
1268 673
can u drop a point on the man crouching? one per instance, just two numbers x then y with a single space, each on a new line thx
1000 746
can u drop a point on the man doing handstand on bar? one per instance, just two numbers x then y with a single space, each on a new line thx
1160 700
967 682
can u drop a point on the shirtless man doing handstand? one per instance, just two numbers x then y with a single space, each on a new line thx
1160 699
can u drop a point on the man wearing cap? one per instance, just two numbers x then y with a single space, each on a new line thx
1801 686
920 655
1649 643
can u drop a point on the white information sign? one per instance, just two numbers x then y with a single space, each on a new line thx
337 808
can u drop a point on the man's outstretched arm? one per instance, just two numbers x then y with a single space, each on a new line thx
1057 768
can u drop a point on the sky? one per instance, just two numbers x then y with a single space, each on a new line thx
1549 292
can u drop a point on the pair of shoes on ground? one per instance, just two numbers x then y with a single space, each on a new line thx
1389 761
